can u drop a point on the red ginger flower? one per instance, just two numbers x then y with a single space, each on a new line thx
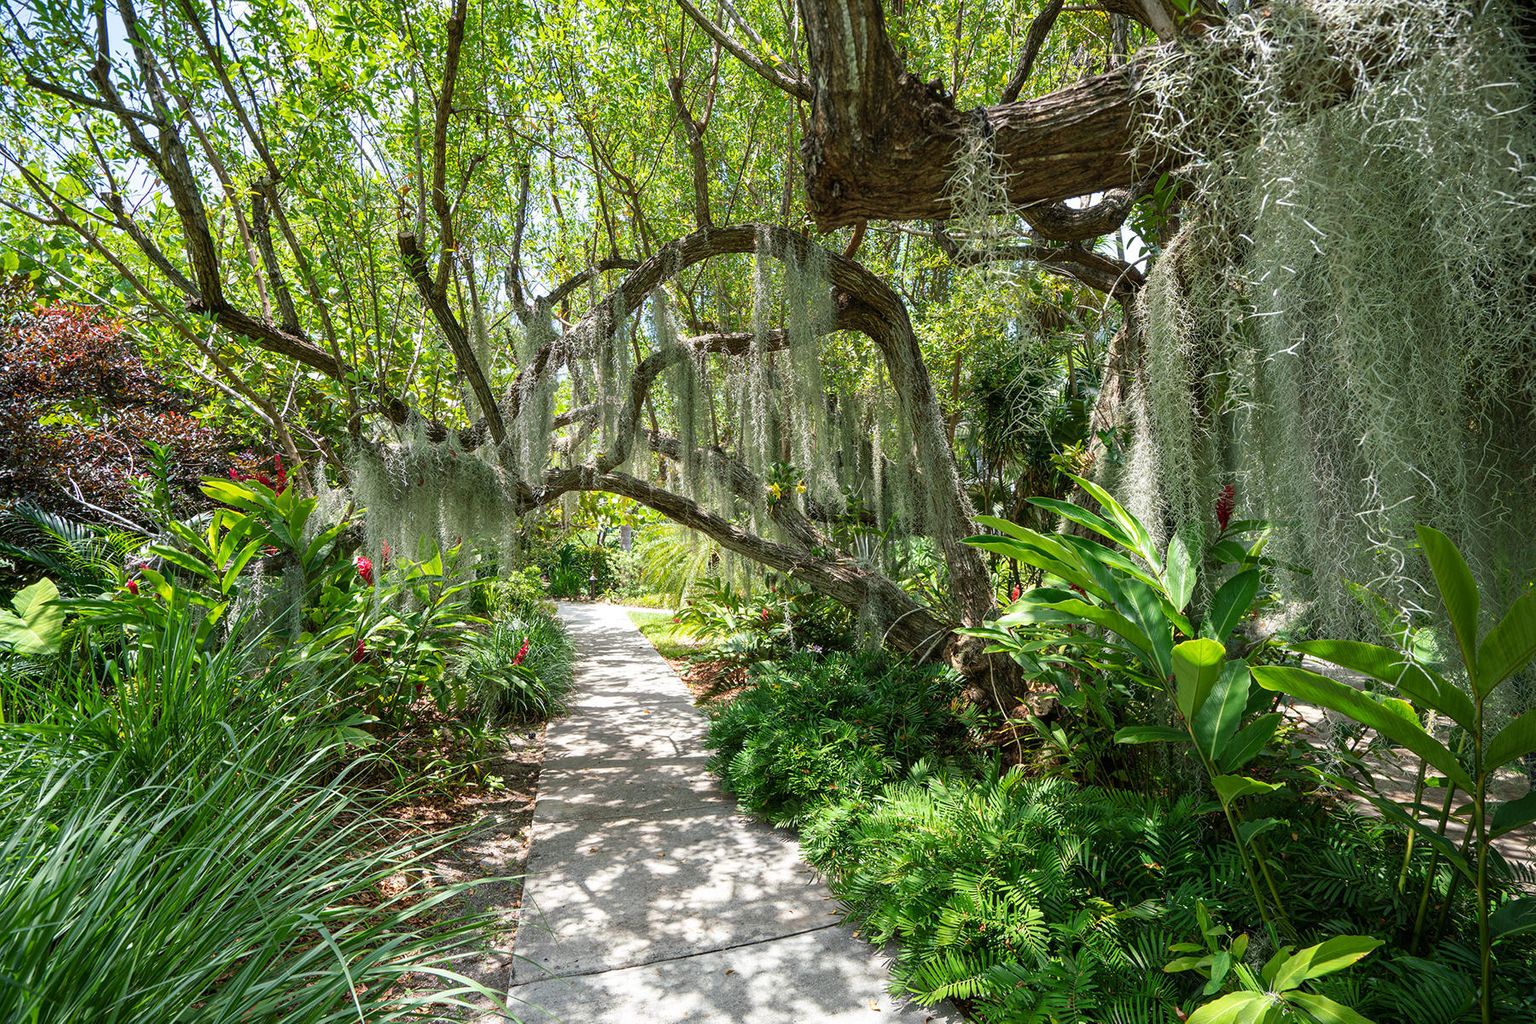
1226 503
360 652
1013 595
133 587
765 614
522 652
365 569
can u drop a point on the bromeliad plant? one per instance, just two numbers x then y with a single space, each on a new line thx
1416 690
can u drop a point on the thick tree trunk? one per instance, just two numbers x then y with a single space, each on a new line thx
883 144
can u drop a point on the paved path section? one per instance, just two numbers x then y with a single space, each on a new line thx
648 897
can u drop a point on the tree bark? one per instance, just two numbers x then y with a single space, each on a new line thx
882 144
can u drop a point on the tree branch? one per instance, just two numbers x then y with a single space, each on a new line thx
777 77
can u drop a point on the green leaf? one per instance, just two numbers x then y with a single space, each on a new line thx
1458 592
1346 700
1235 787
1179 574
1509 645
1514 741
1197 665
1514 917
1324 958
1235 1008
1216 721
1145 609
1230 603
1150 734
1085 518
1513 814
37 627
1425 688
182 560
1325 1010
1247 831
1141 539
1250 741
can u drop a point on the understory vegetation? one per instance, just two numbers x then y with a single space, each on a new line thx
1213 837
210 741
1080 454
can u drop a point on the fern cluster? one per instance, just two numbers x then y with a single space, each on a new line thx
817 728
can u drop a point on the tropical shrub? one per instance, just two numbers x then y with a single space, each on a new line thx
811 729
517 671
1415 691
188 836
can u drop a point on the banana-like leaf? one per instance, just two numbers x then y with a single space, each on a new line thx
1179 573
1316 961
1346 700
1426 688
1197 666
1249 742
1085 518
1235 787
1514 741
1234 1008
1142 540
1150 734
1458 592
1509 645
1230 603
1217 719
1514 917
1324 1010
1513 814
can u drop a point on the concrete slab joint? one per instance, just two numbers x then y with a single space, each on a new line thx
648 896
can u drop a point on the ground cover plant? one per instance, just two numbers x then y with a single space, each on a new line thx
1086 448
203 787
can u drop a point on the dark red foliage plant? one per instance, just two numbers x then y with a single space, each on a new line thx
79 409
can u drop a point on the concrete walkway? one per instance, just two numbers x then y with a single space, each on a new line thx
648 897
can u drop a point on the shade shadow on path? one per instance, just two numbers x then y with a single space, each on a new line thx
648 896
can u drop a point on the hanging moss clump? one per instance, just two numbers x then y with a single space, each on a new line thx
1345 327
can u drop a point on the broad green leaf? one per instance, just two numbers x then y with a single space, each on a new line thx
1145 609
1514 741
1179 573
1249 742
1425 688
1458 592
1346 700
1150 734
1324 958
1235 787
1509 645
1083 611
37 626
1513 814
1325 1010
1230 603
1236 1008
1085 518
1142 540
1247 831
1514 917
181 560
1216 721
1197 665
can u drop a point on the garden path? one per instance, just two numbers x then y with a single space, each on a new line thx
648 897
